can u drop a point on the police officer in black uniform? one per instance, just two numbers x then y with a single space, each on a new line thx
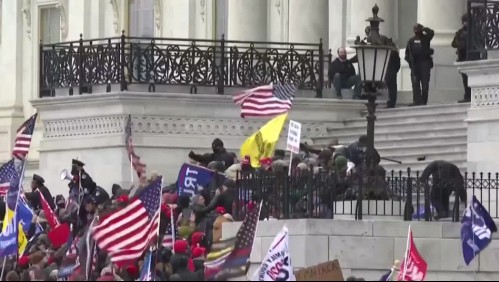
459 42
418 55
88 187
37 184
96 202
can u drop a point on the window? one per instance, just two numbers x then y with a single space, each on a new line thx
50 25
141 18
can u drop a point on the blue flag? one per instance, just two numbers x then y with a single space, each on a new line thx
8 240
192 179
476 230
145 272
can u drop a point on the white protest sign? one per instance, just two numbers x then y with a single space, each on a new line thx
294 134
276 265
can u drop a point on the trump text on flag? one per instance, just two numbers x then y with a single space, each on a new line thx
294 133
192 179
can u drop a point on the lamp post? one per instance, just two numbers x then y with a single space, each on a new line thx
373 53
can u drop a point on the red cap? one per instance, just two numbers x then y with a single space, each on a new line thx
166 210
180 247
198 252
220 210
251 206
266 161
197 238
133 271
23 261
123 199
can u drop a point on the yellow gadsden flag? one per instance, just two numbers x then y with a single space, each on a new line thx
262 143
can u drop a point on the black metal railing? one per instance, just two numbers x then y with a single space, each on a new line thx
483 27
124 60
328 195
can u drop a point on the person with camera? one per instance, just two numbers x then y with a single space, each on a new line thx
418 55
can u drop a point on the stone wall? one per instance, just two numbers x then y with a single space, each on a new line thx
166 126
368 248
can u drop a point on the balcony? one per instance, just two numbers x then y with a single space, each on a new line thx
483 35
177 65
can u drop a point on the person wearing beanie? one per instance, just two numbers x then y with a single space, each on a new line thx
219 154
180 263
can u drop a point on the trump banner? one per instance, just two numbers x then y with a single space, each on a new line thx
192 179
277 263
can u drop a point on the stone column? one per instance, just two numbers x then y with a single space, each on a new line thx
483 124
247 20
308 21
177 18
360 10
338 21
12 73
442 16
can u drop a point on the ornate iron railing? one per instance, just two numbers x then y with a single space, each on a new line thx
330 195
219 64
483 28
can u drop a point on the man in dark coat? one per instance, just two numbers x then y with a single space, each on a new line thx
446 178
81 192
37 187
459 42
219 154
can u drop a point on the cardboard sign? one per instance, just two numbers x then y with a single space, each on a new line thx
328 271
294 134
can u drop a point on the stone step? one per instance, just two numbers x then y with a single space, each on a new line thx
430 109
415 165
400 126
422 150
402 141
382 120
401 133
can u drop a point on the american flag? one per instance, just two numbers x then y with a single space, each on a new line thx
168 238
127 233
266 101
7 172
23 138
137 164
234 265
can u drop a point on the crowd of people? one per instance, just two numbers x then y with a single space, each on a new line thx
197 220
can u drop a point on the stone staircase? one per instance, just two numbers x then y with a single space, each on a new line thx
406 134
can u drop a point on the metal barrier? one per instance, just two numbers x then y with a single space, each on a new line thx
326 194
220 63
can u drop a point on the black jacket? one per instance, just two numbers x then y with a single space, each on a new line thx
394 63
345 68
205 159
34 198
418 50
225 200
459 42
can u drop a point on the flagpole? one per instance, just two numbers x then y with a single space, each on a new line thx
131 168
3 268
406 252
290 162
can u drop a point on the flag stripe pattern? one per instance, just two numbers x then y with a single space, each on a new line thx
7 172
168 238
23 138
222 266
126 234
137 164
266 101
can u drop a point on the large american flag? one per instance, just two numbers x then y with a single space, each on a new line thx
7 172
267 100
137 164
23 138
127 233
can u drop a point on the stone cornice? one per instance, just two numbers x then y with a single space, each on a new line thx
181 97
